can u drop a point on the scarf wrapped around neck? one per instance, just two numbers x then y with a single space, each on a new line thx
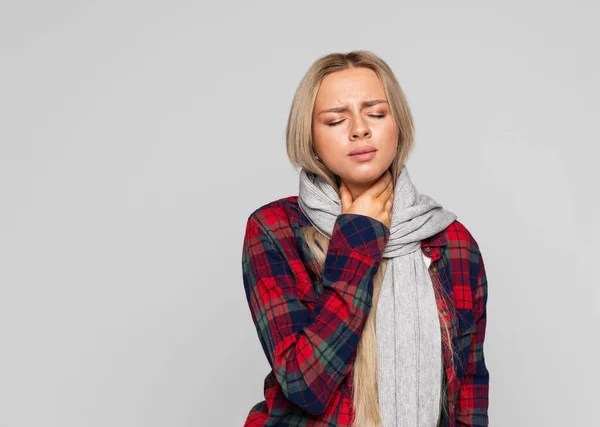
409 352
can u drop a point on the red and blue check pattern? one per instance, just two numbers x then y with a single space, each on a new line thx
309 319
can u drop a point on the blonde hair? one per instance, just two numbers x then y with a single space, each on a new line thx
300 150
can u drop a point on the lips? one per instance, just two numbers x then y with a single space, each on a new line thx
362 150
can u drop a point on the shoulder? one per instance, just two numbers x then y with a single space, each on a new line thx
460 238
464 252
274 227
275 217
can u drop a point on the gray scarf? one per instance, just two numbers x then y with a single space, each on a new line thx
409 352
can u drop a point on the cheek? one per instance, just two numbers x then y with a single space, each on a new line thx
389 129
329 139
388 136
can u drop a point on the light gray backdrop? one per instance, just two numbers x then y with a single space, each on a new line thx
137 136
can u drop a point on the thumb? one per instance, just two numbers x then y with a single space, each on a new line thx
346 197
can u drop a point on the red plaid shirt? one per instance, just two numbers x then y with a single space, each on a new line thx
309 319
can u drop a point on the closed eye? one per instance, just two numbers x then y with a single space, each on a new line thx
375 116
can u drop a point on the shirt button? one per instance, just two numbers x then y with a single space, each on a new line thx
428 249
444 312
434 269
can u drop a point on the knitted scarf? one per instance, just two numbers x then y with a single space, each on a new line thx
409 353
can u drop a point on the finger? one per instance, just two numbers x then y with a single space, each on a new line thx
388 194
389 203
377 187
392 190
346 197
385 191
386 182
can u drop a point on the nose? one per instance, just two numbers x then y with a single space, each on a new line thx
360 129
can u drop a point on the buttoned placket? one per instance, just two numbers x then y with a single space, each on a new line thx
434 254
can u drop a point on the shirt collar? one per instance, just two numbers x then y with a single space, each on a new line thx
438 239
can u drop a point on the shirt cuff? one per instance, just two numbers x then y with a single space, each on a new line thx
360 233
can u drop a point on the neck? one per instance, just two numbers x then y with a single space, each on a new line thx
357 188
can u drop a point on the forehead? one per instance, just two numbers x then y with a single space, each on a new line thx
352 84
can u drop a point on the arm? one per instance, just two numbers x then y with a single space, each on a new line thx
472 404
311 354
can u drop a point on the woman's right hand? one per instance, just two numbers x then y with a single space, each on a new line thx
375 202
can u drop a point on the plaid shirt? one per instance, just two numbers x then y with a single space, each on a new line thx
309 319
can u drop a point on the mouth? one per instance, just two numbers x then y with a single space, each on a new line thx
362 150
364 156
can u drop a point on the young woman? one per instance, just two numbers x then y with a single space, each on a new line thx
369 298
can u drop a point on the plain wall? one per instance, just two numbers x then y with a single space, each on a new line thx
137 136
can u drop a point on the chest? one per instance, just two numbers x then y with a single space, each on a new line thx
452 287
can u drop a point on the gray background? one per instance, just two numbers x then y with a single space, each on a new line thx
137 137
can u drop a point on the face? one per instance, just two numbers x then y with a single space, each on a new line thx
351 111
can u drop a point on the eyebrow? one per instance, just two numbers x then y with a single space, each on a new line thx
345 107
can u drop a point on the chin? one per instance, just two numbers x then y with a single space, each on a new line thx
364 173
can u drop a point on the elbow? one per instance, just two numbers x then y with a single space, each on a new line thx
314 407
308 400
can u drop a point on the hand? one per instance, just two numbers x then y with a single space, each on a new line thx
375 202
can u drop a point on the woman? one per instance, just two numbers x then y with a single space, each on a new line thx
368 297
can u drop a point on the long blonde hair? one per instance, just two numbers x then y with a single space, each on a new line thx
299 143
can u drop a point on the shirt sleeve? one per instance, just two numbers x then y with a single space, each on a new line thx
312 353
472 403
